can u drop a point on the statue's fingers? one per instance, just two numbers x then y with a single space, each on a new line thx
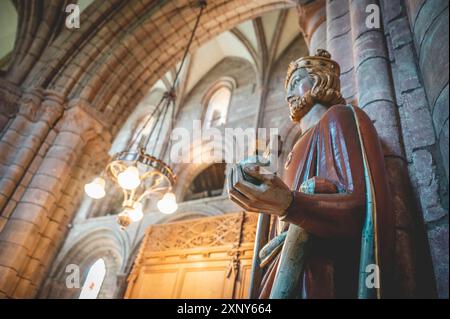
240 199
249 205
232 190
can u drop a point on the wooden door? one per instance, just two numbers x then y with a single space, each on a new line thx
202 258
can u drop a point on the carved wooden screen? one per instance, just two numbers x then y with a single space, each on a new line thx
202 258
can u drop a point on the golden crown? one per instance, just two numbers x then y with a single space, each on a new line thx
322 59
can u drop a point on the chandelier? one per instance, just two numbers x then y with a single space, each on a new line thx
137 173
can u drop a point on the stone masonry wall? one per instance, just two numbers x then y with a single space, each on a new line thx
417 34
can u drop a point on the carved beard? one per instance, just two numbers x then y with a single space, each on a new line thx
299 106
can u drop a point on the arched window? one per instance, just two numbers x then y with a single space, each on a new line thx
94 280
216 102
208 183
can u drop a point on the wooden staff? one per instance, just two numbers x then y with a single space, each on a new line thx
287 283
261 238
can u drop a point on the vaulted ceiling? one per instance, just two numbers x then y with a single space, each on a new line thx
259 41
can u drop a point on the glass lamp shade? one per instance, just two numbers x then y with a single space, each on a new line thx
167 204
96 188
136 213
129 178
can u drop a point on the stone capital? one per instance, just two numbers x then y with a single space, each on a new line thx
41 105
52 107
311 14
80 118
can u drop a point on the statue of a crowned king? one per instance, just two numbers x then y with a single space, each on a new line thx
332 230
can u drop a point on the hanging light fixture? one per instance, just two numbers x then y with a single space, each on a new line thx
136 172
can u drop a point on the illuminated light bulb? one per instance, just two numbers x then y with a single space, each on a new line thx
136 213
129 178
96 188
167 204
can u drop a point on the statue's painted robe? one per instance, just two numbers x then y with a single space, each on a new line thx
331 151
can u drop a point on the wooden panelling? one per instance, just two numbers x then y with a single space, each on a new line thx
202 258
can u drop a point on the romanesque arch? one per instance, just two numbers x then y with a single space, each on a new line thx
83 253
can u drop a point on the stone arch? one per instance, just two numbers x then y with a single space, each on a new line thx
209 183
186 172
83 252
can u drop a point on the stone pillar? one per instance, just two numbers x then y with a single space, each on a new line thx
312 22
418 121
376 96
428 21
340 45
429 25
22 142
85 207
38 223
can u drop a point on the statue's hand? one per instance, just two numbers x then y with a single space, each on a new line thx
264 193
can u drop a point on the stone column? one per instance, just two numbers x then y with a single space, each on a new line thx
312 22
38 223
340 45
422 121
85 207
429 25
376 96
22 142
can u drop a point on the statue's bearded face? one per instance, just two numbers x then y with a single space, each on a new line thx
298 93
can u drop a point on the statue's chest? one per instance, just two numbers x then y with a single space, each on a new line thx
296 160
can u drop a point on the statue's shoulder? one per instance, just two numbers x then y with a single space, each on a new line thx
337 113
345 112
343 115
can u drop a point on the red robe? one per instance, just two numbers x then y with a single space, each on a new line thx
331 150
